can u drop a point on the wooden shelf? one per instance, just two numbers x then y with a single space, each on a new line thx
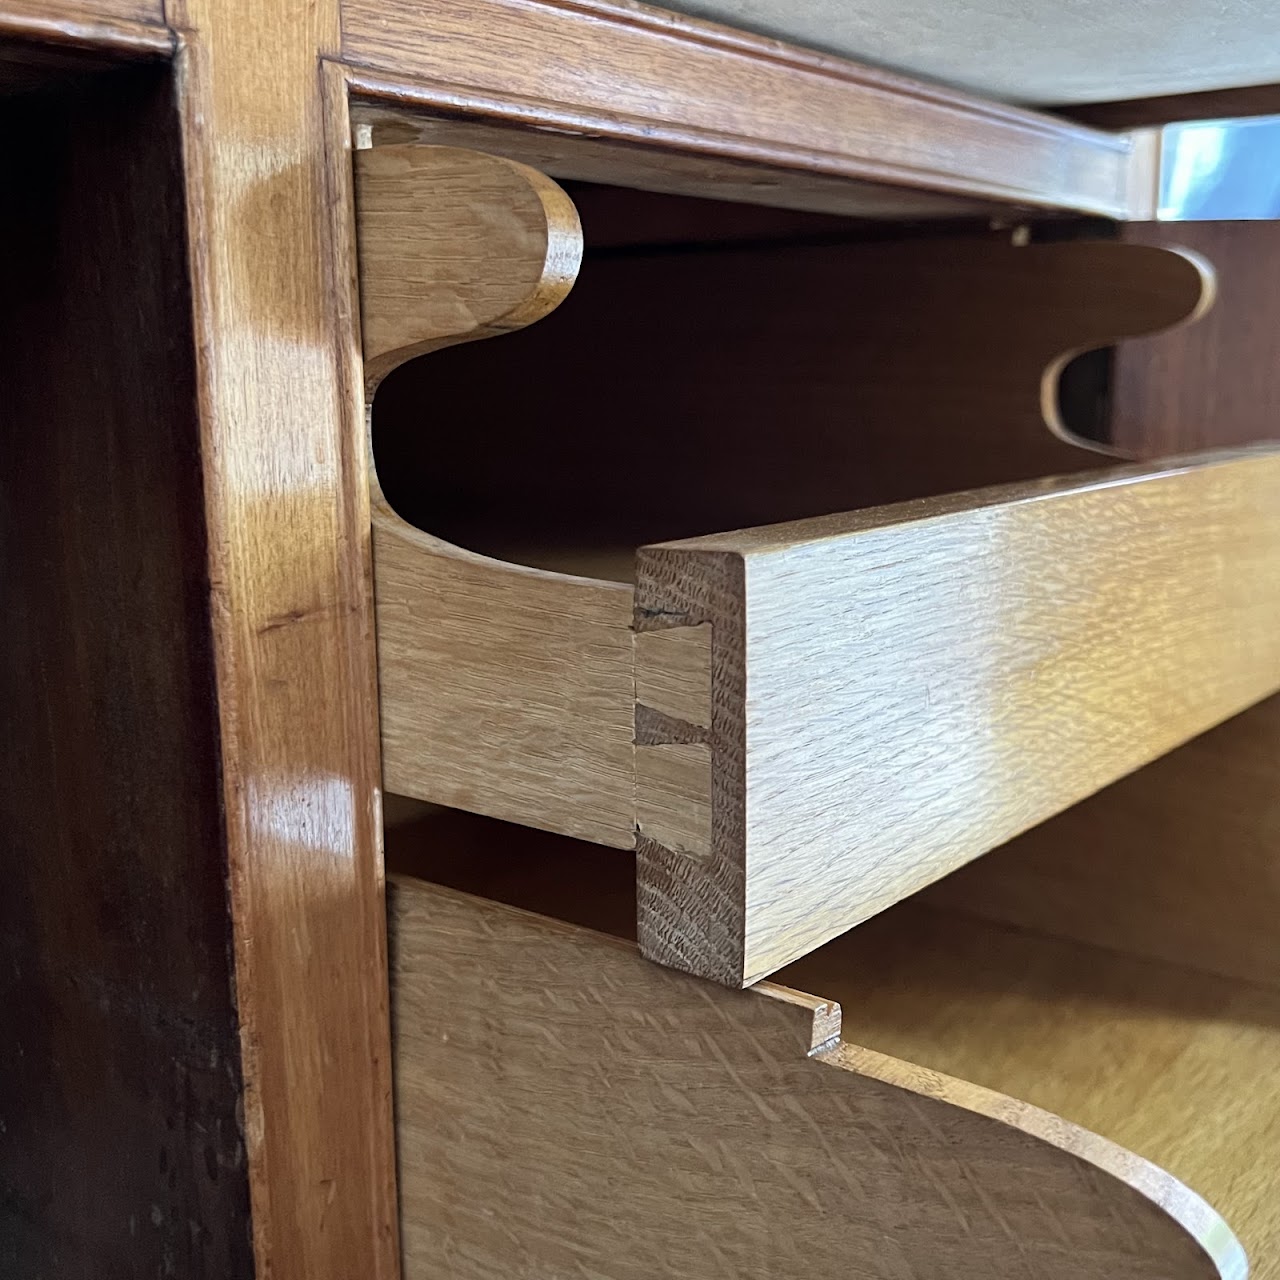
956 1014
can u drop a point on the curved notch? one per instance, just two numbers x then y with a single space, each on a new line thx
455 246
1124 291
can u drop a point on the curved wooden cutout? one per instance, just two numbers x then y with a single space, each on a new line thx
636 1122
509 690
478 660
737 387
1177 286
455 246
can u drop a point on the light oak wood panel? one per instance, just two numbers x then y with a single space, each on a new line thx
455 246
271 227
504 690
897 691
1175 1064
673 674
563 1105
628 73
511 692
1177 862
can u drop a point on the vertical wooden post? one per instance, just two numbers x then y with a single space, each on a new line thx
269 208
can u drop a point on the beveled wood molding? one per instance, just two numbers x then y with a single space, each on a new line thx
639 76
126 26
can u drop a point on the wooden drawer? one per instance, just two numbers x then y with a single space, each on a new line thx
798 724
895 692
932 1095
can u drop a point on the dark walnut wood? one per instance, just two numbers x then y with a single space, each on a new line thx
1213 104
121 1152
1215 382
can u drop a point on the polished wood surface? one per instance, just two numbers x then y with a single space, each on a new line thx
1159 1057
625 72
121 25
564 1105
271 226
121 1150
610 159
897 691
284 487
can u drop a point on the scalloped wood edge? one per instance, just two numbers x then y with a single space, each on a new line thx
558 1096
455 246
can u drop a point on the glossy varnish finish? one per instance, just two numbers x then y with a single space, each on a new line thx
627 72
120 25
286 493
121 1150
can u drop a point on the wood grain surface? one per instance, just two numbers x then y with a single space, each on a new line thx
504 690
629 73
124 26
121 1149
1158 1057
455 246
1175 862
509 691
271 225
609 158
897 691
565 1106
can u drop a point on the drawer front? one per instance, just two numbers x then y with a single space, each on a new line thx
894 692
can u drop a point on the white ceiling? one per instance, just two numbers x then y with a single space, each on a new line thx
1034 51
